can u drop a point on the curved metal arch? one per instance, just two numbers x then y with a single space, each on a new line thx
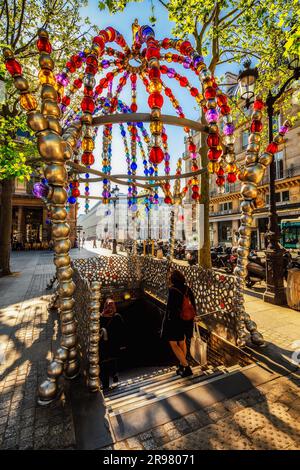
146 117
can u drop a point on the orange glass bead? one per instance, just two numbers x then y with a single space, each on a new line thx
88 144
28 102
46 77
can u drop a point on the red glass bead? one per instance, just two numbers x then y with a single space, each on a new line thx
210 93
256 126
91 69
231 177
220 172
163 69
75 192
214 153
87 158
221 100
43 45
77 83
154 73
192 147
181 115
156 155
165 43
113 102
133 78
194 167
122 81
104 34
213 140
175 57
87 105
71 66
77 61
183 81
75 184
66 100
121 41
272 147
155 100
195 188
168 200
195 196
225 109
258 105
111 33
168 92
164 137
133 107
220 181
152 52
91 60
167 186
13 67
185 48
194 92
88 91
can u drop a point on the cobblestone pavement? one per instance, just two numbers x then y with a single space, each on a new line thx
28 335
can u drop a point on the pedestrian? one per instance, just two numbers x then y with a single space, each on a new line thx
178 320
94 243
111 339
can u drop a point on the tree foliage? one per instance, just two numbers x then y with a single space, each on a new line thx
19 23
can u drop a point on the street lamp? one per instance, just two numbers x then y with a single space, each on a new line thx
275 292
115 193
246 82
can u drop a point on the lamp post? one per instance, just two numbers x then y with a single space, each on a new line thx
115 193
275 292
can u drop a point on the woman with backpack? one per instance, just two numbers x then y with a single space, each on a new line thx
111 336
179 319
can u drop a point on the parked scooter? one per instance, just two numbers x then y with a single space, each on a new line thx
257 268
221 260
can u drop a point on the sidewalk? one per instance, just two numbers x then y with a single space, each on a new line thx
267 417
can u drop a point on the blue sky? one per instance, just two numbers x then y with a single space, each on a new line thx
122 22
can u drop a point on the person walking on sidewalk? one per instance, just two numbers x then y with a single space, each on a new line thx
178 319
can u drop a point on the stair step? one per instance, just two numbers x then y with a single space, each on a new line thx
165 394
132 388
149 393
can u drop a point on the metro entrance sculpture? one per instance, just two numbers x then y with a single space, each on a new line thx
61 134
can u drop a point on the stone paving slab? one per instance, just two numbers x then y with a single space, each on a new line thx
28 336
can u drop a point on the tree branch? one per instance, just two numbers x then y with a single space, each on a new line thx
20 24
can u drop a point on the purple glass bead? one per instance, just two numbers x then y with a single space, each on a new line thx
81 54
197 60
167 156
179 109
105 64
105 194
187 62
171 73
212 115
63 108
40 190
167 169
283 129
228 129
193 155
62 79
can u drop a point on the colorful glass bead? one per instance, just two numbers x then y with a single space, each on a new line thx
28 102
272 147
256 126
155 100
156 155
13 67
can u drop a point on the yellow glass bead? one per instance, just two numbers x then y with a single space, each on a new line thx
47 77
231 168
178 44
72 89
155 86
28 102
156 127
60 89
88 144
200 67
207 84
147 139
168 57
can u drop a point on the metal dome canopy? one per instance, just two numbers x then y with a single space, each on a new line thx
62 137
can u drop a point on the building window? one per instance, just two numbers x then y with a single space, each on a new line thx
226 207
245 135
279 165
281 196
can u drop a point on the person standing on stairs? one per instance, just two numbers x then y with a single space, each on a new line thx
111 338
178 319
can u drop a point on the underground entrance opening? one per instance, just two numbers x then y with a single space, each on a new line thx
144 354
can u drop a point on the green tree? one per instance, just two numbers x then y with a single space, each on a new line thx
19 23
230 31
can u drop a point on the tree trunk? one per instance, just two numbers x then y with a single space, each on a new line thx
6 225
204 252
